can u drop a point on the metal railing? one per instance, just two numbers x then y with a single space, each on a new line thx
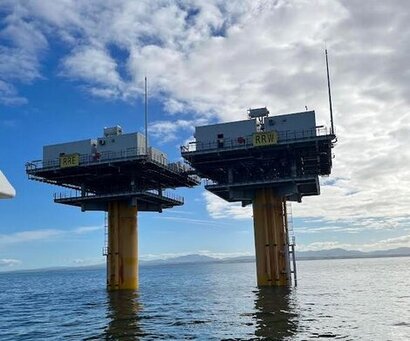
260 180
247 141
91 159
108 156
78 194
165 194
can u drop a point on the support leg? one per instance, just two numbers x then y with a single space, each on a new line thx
271 239
122 258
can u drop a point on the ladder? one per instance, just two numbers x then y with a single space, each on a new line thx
105 247
291 241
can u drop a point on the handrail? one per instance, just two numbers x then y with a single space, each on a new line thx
216 183
108 156
78 194
90 159
247 141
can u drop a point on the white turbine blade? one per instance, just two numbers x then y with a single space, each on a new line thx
7 191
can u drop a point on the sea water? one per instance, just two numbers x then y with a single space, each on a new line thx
356 299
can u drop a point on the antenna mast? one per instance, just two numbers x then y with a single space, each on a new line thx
146 116
330 94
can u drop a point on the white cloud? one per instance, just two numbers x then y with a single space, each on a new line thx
94 66
23 44
166 131
213 60
220 209
383 244
9 96
87 229
43 234
191 221
89 261
9 262
170 130
28 236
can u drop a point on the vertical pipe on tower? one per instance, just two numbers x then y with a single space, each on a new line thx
122 257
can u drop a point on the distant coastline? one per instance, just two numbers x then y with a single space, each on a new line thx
300 256
330 254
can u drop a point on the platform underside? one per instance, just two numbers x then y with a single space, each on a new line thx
291 168
292 189
145 201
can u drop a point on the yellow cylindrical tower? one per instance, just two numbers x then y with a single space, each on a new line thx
271 239
122 255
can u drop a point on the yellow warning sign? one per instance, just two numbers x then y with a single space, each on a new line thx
69 160
265 138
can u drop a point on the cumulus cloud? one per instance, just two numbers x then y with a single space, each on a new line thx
95 67
87 229
28 236
166 131
9 96
9 262
170 130
383 244
211 61
22 44
220 209
43 234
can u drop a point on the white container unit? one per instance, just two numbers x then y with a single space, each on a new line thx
52 153
122 145
113 145
222 135
296 125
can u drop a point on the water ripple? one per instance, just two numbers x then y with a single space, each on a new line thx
211 302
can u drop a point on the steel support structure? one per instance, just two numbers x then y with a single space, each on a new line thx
271 239
122 255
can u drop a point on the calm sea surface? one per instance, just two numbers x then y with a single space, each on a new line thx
358 299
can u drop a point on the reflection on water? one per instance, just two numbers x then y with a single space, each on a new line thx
211 302
276 318
122 314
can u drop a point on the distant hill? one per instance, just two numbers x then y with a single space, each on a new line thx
300 255
194 258
342 253
200 259
328 254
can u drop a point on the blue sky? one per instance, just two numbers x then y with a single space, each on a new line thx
70 68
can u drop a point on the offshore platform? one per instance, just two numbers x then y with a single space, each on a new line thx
119 174
264 161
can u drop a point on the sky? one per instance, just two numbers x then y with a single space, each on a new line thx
68 68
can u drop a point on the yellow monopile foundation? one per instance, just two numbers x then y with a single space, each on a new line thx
122 257
271 239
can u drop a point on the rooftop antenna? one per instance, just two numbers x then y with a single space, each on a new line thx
146 116
330 94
